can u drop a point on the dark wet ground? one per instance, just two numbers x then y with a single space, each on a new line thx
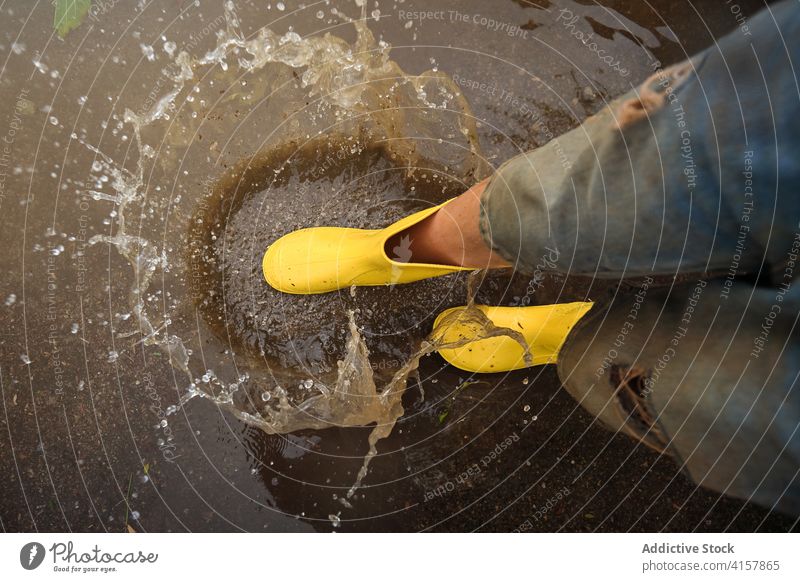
82 448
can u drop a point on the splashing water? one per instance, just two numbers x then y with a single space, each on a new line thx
349 95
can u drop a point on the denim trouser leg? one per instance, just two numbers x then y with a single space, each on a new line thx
696 171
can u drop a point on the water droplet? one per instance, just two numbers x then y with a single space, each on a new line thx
526 408
135 515
112 356
148 51
265 396
11 300
53 120
320 15
25 359
163 423
97 166
280 6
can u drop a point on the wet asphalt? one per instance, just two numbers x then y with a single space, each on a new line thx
81 447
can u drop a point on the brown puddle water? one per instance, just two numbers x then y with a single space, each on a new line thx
150 374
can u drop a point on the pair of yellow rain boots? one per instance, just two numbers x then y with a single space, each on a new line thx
324 259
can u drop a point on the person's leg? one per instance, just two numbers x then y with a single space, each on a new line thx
429 243
695 376
451 236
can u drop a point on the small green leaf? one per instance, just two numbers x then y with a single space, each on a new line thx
69 14
443 415
469 383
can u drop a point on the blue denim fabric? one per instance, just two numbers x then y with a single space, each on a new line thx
666 193
695 171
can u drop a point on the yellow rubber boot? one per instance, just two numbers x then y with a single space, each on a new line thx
322 259
544 327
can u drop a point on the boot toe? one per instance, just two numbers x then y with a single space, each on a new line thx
280 272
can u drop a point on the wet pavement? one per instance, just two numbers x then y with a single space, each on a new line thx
93 437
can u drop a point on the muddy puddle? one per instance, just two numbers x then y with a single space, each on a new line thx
360 188
152 380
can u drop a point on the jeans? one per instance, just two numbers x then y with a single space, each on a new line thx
686 190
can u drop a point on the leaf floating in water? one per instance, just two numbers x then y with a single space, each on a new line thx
69 14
